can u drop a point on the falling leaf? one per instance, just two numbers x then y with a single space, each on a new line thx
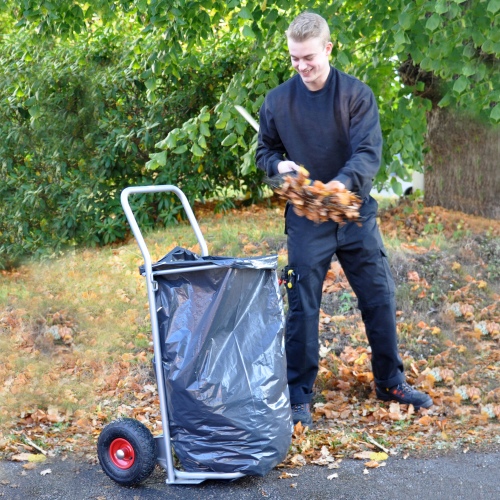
45 472
332 476
366 471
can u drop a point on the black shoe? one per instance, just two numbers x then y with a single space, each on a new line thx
405 394
301 412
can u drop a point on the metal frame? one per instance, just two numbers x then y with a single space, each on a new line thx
163 442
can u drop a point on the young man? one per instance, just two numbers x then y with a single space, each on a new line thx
328 122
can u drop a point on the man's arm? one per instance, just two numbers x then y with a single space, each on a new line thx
366 144
270 155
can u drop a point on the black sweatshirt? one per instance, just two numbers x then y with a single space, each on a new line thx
333 132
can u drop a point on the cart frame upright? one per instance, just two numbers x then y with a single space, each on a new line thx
163 445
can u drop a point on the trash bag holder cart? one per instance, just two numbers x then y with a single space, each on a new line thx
127 451
252 432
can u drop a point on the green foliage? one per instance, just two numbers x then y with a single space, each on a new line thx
79 121
108 93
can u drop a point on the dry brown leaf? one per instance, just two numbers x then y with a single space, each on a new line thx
372 464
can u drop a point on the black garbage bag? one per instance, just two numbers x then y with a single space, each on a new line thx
222 338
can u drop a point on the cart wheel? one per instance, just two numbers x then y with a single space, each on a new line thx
126 451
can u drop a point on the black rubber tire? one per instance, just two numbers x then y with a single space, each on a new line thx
139 439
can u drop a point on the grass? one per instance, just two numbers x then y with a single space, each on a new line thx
75 333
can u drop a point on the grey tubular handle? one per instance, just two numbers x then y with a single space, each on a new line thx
135 227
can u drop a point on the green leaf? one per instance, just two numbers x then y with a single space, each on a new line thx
405 20
204 129
396 186
181 149
261 88
400 37
244 13
247 32
493 6
35 111
151 84
230 139
441 7
468 70
170 141
342 58
202 142
495 113
433 22
157 160
196 150
205 117
222 121
445 101
461 84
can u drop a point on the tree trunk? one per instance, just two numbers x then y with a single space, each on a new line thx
464 164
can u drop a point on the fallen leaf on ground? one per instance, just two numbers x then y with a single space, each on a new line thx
28 457
287 475
372 464
371 455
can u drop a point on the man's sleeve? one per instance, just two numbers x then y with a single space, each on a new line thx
270 149
366 144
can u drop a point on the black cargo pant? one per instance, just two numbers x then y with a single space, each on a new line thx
362 256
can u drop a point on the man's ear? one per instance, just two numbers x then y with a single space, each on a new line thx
328 48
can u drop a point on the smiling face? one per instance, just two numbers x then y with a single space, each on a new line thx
310 58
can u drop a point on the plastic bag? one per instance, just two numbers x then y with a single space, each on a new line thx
222 337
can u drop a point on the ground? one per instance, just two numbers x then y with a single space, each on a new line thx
447 269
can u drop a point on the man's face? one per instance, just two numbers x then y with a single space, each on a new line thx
311 60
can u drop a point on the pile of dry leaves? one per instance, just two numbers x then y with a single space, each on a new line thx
316 202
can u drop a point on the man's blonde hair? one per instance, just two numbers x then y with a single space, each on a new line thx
308 25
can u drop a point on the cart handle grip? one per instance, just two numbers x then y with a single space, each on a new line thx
135 227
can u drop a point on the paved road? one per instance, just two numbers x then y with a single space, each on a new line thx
474 476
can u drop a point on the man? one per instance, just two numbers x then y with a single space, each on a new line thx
328 122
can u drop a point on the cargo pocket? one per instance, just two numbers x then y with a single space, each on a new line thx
388 273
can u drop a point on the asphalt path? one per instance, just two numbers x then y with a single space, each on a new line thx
471 475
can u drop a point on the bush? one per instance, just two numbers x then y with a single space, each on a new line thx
79 121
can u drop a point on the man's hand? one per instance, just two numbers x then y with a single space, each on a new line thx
287 166
335 186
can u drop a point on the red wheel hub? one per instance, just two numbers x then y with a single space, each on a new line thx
122 453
